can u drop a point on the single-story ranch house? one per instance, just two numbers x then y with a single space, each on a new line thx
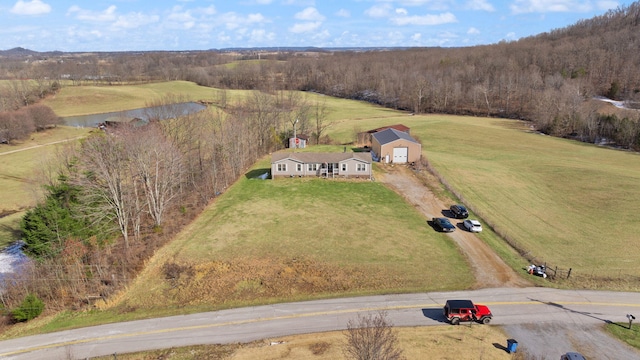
299 164
395 146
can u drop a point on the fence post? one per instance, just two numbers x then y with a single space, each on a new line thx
569 273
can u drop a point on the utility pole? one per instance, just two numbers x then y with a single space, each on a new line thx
295 136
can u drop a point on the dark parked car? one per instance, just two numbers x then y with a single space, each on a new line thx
459 211
443 224
572 356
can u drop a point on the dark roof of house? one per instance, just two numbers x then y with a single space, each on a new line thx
398 127
390 135
302 136
308 157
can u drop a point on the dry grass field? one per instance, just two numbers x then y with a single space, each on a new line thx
437 343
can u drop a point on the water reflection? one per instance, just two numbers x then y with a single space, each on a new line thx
11 258
162 112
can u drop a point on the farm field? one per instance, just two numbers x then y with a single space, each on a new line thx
569 204
21 169
516 180
85 100
293 239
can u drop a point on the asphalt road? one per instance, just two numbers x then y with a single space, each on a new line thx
513 308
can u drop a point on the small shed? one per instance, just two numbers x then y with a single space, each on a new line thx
298 142
393 146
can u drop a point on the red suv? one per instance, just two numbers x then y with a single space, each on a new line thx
465 310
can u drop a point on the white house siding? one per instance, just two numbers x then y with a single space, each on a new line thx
285 164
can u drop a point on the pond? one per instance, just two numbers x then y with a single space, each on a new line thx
12 256
10 259
161 112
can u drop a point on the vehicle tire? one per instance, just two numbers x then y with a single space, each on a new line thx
485 320
455 321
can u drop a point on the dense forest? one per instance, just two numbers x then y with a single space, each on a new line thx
111 200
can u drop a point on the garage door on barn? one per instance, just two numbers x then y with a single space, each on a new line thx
400 155
391 145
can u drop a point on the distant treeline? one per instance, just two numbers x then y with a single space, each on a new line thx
547 79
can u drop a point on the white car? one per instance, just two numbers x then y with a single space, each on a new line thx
472 225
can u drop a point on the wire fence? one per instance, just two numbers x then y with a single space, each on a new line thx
553 271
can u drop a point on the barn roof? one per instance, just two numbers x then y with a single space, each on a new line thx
391 135
398 127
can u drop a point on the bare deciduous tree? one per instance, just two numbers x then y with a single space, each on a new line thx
371 337
319 112
157 166
107 182
42 116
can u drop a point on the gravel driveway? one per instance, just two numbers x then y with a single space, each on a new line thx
538 340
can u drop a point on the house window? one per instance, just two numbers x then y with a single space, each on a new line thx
298 167
312 167
282 167
361 167
343 168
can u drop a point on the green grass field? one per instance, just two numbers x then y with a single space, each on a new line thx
358 227
84 100
570 204
21 168
564 202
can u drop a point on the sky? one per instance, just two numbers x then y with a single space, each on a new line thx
146 25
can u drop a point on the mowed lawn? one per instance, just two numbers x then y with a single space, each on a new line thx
570 204
85 100
357 235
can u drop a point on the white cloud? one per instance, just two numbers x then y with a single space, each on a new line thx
33 7
473 31
414 2
309 14
545 6
444 18
322 35
343 13
108 14
210 10
416 37
299 2
134 20
379 11
233 21
607 4
395 37
305 27
264 2
401 11
261 35
479 5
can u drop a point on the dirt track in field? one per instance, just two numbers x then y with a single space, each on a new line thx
490 270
